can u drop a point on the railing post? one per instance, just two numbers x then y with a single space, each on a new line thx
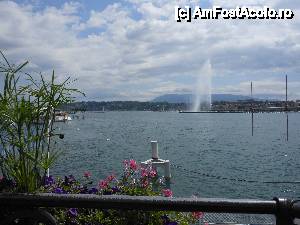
284 211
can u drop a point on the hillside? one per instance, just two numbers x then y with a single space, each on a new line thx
188 98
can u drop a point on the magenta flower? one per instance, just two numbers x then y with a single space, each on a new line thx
103 184
197 215
110 178
144 172
167 192
153 173
145 183
87 174
133 165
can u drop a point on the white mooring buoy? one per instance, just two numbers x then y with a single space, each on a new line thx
157 162
154 147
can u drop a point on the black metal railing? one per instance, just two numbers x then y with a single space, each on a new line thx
31 206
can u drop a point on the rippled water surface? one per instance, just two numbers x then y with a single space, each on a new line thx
215 144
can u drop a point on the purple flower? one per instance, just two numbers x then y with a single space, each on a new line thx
83 190
59 190
49 180
93 191
166 219
107 192
69 180
73 212
115 189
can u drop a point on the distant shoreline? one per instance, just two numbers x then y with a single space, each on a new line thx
216 107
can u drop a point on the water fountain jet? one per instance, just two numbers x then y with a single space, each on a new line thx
202 97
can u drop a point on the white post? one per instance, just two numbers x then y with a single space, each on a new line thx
157 162
167 169
48 170
48 139
48 153
154 147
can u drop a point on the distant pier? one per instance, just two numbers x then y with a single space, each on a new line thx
237 111
212 112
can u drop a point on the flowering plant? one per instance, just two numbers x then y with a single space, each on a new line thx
27 114
136 180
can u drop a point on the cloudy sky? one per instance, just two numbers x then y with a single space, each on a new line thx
135 50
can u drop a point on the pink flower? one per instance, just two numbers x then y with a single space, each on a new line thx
198 215
144 172
153 173
126 163
103 184
133 164
167 192
87 174
110 178
145 183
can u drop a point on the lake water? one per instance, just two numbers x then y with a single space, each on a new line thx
216 144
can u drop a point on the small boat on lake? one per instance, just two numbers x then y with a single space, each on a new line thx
62 116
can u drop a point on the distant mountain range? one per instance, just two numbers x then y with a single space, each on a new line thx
188 98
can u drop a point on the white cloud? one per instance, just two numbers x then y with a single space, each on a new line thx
271 87
250 3
127 57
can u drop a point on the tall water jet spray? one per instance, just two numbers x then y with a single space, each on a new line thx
202 98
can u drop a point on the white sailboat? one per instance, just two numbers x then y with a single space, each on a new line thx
103 110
